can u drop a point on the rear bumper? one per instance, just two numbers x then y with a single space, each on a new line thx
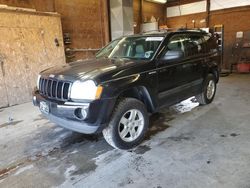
63 114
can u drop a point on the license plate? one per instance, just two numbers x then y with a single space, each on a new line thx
44 107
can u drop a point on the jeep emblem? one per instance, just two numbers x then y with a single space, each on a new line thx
52 76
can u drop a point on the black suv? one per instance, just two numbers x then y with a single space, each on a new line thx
130 78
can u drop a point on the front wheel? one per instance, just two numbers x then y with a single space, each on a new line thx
128 124
208 90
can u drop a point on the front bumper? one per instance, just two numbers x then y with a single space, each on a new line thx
63 114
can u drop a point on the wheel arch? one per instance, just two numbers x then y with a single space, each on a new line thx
142 94
214 70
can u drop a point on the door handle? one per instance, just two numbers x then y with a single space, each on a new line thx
185 66
153 72
163 70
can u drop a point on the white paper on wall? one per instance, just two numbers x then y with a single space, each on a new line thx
239 34
197 7
190 8
193 8
173 11
222 4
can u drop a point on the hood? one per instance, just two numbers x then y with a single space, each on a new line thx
87 69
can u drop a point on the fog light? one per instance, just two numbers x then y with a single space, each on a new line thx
84 113
81 113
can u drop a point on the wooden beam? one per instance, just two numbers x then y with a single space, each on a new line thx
141 19
208 13
105 21
165 14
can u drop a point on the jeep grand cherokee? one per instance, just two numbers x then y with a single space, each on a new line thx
129 79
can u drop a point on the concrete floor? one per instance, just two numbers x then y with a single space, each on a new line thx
187 146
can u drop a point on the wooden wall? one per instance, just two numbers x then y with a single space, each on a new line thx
92 31
186 21
39 5
86 21
233 19
27 46
149 9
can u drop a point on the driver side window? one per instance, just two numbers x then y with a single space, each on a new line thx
174 49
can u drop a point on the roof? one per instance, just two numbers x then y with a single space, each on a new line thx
170 30
165 32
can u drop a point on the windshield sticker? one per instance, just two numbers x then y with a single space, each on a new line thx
154 38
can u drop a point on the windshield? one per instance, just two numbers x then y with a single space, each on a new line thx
131 47
105 52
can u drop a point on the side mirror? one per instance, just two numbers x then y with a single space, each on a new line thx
173 54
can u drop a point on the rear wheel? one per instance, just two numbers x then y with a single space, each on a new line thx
208 90
128 124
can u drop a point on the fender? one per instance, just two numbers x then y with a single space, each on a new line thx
141 86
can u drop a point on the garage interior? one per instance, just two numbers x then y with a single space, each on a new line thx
187 145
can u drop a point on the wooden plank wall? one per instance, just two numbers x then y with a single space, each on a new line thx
86 21
27 46
39 5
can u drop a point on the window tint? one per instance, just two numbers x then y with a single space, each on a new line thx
174 49
175 43
107 49
194 45
211 43
136 47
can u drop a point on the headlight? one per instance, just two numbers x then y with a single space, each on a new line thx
38 80
85 90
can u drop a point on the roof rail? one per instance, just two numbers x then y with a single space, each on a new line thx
157 30
174 29
191 29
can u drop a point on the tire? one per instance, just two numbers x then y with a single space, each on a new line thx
208 90
128 125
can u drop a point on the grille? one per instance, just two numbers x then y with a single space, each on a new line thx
54 89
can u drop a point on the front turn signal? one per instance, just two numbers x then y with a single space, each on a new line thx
98 92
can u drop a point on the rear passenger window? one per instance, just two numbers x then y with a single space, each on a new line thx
194 45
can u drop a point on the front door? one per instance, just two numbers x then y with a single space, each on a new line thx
171 71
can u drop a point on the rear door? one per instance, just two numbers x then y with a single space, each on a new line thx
195 49
195 52
171 75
